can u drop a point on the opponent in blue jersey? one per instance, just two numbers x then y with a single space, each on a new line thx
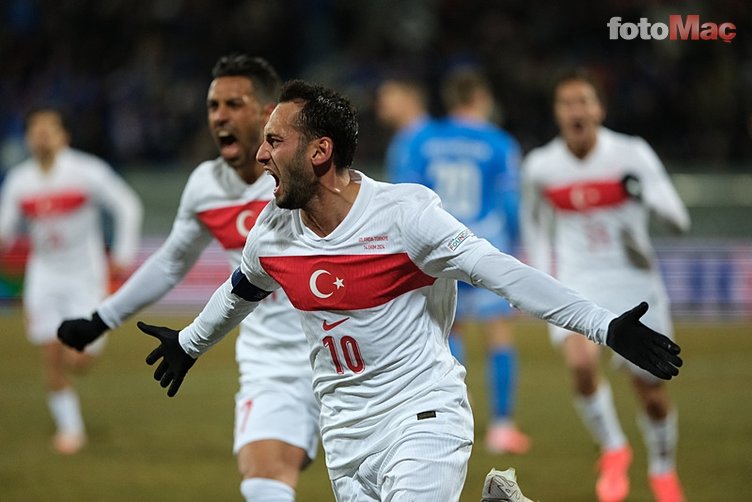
473 166
402 105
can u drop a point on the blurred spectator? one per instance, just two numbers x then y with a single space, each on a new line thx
112 61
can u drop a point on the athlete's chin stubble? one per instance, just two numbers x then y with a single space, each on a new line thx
300 186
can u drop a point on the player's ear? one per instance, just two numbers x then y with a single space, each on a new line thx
602 113
323 148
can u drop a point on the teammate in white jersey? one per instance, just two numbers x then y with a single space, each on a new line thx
372 267
59 192
276 415
588 197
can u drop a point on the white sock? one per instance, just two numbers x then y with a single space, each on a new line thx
660 438
266 490
66 411
598 413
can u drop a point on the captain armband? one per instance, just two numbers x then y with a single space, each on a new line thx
244 289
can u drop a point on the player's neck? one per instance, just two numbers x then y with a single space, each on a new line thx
330 206
46 161
470 114
251 172
410 119
583 148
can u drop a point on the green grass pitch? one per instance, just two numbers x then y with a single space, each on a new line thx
146 447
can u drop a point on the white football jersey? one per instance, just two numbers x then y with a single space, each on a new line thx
217 204
377 298
579 219
61 209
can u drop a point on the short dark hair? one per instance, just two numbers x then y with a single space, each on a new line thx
460 85
325 112
266 81
580 75
46 108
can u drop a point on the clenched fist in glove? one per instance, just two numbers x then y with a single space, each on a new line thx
78 333
175 362
641 345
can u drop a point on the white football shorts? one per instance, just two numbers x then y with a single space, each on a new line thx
284 409
421 466
47 303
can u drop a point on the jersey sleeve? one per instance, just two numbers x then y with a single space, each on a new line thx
658 192
442 247
161 272
10 214
126 208
536 221
226 309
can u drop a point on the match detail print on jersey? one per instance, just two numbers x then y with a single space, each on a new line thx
52 204
587 195
344 282
230 224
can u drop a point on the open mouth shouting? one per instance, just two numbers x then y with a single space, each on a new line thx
577 126
276 179
229 147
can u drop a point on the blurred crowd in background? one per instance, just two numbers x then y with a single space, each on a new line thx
133 74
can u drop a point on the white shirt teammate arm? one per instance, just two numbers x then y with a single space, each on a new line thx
233 301
162 271
536 222
442 247
127 211
9 213
657 191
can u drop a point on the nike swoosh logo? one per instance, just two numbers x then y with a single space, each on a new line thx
333 325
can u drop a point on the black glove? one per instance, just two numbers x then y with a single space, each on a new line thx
632 186
641 345
78 333
175 363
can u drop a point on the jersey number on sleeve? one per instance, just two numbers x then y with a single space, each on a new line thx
350 352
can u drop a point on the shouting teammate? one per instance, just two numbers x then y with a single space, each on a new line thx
276 415
588 197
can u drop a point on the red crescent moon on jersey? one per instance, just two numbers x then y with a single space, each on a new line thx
577 197
240 224
312 284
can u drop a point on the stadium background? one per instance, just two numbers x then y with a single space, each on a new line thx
133 76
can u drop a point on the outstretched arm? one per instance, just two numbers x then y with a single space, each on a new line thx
546 298
228 306
442 247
